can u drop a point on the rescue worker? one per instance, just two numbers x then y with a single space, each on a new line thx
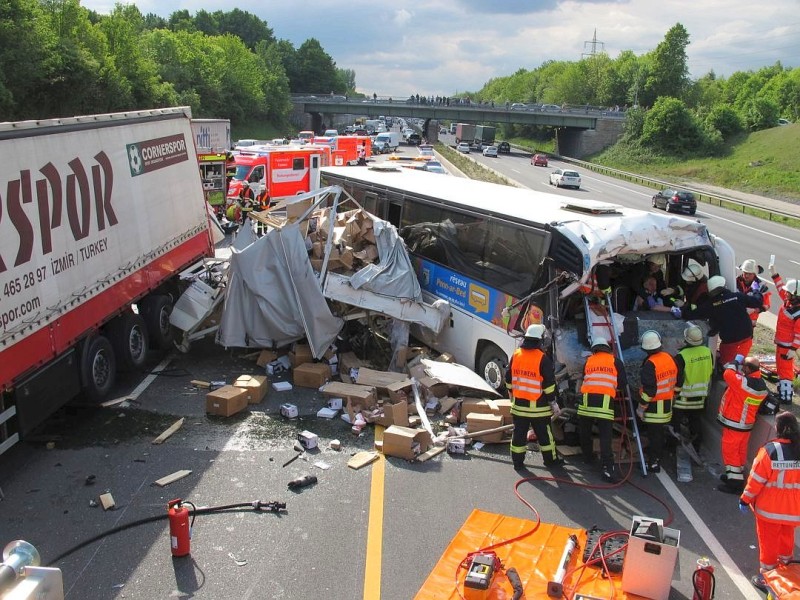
787 333
696 283
658 376
773 494
695 365
362 155
737 414
726 312
603 375
749 284
531 381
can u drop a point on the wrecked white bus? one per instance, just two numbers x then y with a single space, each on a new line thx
486 248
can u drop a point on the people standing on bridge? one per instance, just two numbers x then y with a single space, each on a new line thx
787 333
738 410
749 284
726 312
695 367
603 376
658 376
531 382
773 494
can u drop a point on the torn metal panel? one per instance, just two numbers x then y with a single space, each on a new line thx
273 297
457 375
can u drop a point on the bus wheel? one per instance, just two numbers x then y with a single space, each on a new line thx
98 368
492 366
156 310
128 334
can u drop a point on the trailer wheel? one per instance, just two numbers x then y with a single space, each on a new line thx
98 368
156 311
492 366
128 334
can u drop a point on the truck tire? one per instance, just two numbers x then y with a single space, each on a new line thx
156 310
98 368
492 367
128 335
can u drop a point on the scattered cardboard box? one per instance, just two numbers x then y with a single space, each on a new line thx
307 439
354 395
289 410
481 422
404 442
394 414
257 387
379 379
281 386
300 354
400 391
327 413
266 356
226 401
434 386
479 406
311 375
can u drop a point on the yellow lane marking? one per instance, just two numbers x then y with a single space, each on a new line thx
372 568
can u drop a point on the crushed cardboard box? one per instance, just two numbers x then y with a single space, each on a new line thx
404 442
226 401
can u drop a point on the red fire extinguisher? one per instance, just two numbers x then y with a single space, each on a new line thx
180 532
703 580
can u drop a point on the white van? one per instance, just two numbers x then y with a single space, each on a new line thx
388 138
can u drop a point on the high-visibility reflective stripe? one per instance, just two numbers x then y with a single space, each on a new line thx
738 425
791 518
690 403
596 411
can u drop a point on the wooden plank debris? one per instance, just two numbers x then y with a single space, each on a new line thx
431 453
166 480
107 500
362 459
169 431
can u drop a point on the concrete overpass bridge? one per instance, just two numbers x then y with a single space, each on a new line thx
579 130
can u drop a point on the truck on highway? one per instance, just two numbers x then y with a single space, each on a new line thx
484 135
98 217
388 141
465 132
212 141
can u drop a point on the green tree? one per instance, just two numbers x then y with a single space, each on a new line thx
291 64
348 79
669 70
760 113
671 128
317 69
725 119
276 83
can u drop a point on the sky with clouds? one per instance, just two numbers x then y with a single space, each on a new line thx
442 47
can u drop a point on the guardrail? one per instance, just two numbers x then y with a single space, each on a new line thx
792 219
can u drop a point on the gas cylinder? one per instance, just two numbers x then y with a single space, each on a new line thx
180 532
703 580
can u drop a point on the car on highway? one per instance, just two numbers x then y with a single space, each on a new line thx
426 150
539 160
565 178
518 106
463 147
504 147
414 139
434 166
490 151
672 200
551 107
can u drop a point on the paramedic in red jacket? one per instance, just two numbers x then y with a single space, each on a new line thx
773 494
748 283
737 413
787 334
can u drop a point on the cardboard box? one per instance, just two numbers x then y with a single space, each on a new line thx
300 354
434 386
312 375
226 401
307 439
400 391
266 357
394 414
257 387
280 365
379 379
281 386
405 442
481 422
354 395
475 405
503 406
289 410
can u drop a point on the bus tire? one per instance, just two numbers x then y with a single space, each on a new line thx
156 310
128 334
492 366
98 368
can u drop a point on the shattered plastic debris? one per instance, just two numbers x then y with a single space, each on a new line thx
239 562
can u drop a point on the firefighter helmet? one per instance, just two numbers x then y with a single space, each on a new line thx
535 331
651 340
792 287
750 266
693 335
657 259
716 284
600 342
693 272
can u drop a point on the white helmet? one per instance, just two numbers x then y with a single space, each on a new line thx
692 272
535 331
600 342
792 287
651 340
750 266
657 259
716 284
693 335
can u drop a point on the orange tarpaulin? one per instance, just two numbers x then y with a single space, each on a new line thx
536 558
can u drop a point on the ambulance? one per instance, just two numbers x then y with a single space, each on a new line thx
344 148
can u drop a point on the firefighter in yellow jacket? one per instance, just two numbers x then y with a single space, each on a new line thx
603 375
773 494
658 377
695 366
531 381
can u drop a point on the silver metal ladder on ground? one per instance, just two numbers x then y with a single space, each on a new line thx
617 349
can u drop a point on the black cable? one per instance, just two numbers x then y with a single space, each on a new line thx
256 505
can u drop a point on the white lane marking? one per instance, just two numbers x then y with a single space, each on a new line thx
515 171
725 560
775 235
794 261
